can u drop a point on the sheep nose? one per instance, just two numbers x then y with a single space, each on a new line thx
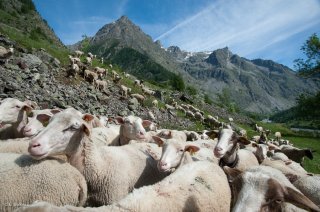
162 163
218 149
35 145
27 129
141 133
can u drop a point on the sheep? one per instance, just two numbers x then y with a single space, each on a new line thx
191 135
74 60
151 116
138 83
90 55
124 90
117 79
155 103
88 60
258 128
199 186
189 114
25 180
227 150
213 121
147 91
36 121
100 71
139 97
17 145
90 75
13 118
111 172
172 134
73 70
5 54
262 188
132 128
198 116
296 154
176 153
106 136
78 53
114 74
309 186
100 85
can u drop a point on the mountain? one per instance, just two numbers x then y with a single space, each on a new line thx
20 21
260 86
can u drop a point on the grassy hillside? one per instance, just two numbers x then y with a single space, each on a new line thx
20 21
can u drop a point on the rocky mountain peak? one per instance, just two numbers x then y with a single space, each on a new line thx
219 57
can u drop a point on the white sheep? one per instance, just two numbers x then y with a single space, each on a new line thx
100 85
198 116
90 55
124 90
155 103
139 97
25 180
100 71
17 145
258 128
309 186
189 114
132 128
227 150
199 186
5 54
262 188
278 136
78 53
111 172
88 60
13 118
90 76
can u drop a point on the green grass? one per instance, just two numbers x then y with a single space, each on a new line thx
312 166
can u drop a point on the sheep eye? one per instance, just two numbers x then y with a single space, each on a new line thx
17 106
181 150
278 201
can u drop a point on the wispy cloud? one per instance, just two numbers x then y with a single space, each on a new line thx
245 26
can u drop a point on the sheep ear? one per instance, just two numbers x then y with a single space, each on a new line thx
87 117
254 144
213 134
291 177
232 173
43 118
120 120
308 153
294 197
243 140
56 110
158 140
86 129
27 108
191 148
146 123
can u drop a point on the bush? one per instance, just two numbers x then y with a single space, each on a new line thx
27 6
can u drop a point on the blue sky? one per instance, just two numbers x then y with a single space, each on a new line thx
267 29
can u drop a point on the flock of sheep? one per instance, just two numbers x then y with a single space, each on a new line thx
66 160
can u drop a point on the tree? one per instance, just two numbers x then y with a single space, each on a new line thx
311 48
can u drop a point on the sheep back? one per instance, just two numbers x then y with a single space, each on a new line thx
24 180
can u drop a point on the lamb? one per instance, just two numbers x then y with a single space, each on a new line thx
262 188
296 154
139 97
138 83
5 54
13 118
78 53
199 186
37 120
132 128
111 172
227 150
25 180
100 85
74 69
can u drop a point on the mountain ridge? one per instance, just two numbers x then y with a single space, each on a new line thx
262 86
